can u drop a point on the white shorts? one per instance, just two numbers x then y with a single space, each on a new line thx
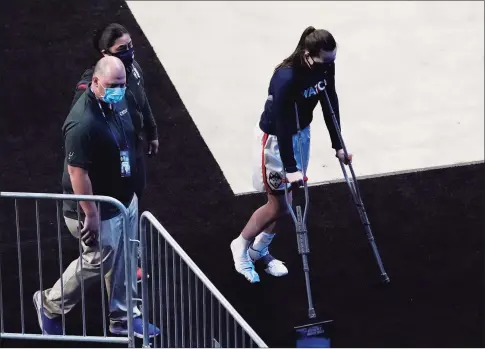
268 167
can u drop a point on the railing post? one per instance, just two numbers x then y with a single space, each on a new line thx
128 282
144 282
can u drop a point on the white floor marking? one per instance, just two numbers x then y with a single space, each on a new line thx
410 76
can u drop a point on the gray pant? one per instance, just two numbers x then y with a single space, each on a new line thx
112 256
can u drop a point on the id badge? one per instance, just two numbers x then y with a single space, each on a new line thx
125 163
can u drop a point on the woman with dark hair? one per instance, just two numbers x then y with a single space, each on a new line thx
300 79
115 40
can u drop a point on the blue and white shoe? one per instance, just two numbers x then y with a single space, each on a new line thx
120 328
244 265
47 326
272 265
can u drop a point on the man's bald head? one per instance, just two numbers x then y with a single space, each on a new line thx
109 65
108 72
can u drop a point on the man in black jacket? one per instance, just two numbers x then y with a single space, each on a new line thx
115 40
99 160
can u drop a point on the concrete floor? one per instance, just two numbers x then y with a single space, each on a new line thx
409 77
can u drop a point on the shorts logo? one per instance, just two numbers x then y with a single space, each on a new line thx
274 180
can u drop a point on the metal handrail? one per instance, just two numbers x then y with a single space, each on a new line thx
72 197
205 280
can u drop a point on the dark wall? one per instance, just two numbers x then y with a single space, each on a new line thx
428 225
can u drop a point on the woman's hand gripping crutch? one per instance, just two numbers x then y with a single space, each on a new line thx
299 220
346 159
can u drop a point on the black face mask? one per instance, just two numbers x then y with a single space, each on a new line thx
326 62
312 64
126 57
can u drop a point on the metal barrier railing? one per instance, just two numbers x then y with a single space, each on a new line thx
184 314
59 198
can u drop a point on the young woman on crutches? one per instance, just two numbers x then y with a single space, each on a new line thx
299 80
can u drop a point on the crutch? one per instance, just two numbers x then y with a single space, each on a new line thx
300 222
354 190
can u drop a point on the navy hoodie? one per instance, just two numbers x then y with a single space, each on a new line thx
305 87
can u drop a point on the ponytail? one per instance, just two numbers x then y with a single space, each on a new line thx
311 40
306 32
297 55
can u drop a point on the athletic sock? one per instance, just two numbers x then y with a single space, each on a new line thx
262 241
240 246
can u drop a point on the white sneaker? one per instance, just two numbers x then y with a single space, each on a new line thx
274 266
244 265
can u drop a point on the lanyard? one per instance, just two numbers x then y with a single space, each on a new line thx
111 130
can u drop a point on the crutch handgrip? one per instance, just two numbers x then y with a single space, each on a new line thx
349 158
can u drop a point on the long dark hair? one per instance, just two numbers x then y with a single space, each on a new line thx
104 38
312 40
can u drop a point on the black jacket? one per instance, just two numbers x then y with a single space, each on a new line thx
143 122
93 142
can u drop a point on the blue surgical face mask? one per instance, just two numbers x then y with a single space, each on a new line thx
113 95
